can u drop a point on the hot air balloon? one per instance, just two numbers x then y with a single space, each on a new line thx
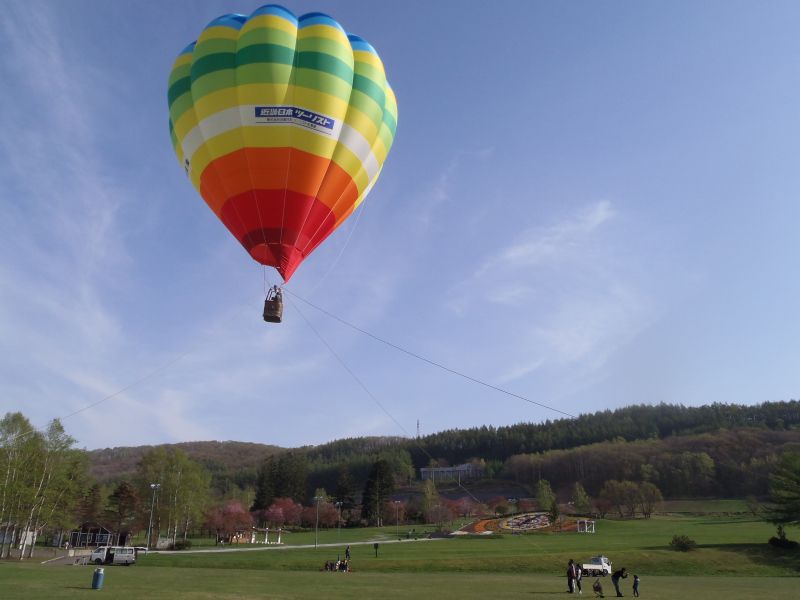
283 125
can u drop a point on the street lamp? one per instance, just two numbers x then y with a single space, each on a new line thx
513 503
397 518
316 525
155 487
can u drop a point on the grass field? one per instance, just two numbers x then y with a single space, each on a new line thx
732 561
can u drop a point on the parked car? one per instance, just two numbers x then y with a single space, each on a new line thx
597 566
113 555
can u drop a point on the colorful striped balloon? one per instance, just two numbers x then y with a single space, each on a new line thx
282 124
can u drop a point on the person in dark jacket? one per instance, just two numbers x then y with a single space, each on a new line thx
616 576
571 575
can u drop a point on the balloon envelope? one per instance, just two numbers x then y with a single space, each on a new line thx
283 125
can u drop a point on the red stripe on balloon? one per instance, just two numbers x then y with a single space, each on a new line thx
279 228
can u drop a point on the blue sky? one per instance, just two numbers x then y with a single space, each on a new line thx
590 204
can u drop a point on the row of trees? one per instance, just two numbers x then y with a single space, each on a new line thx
44 484
742 443
41 479
727 463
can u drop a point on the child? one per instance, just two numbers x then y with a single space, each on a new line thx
598 589
636 585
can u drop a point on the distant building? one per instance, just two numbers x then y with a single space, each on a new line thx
457 473
92 534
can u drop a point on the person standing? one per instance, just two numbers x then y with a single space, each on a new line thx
578 576
347 553
616 576
571 574
636 581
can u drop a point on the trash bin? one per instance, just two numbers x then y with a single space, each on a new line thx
97 579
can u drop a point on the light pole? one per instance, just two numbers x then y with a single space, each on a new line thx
338 506
155 487
316 525
397 518
513 503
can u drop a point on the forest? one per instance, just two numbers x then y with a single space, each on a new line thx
630 457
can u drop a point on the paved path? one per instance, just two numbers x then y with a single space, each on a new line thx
288 547
68 560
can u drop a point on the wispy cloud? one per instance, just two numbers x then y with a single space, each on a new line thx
561 294
440 191
60 232
537 247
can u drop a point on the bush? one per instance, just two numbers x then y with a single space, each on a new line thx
182 545
683 543
781 541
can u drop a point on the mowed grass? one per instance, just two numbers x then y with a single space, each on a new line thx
711 506
732 561
21 582
725 547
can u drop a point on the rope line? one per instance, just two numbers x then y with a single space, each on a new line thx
415 441
131 385
372 396
428 360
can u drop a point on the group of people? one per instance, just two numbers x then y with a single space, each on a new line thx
575 574
342 566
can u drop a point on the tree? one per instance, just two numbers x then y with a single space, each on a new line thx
345 488
283 511
283 477
123 506
649 497
183 495
91 507
430 496
265 486
42 475
328 514
554 513
544 495
784 491
292 476
612 495
581 500
228 519
439 514
378 489
630 496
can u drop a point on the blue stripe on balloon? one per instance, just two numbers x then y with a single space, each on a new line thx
276 10
359 43
318 18
233 20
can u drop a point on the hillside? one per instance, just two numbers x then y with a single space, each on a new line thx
225 460
715 449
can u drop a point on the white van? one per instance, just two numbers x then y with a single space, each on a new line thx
113 555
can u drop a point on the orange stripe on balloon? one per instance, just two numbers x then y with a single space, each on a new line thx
277 168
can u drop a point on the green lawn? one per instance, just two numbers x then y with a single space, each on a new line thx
732 561
725 547
699 507
30 582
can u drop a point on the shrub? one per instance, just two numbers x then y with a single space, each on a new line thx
781 541
182 545
683 543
